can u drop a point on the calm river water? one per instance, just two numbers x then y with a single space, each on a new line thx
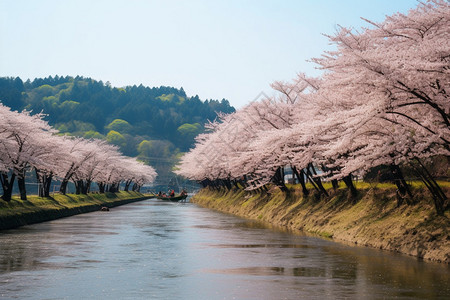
160 250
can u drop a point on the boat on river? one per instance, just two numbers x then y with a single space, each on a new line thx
174 198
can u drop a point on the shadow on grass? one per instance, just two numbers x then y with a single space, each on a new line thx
52 201
70 199
111 195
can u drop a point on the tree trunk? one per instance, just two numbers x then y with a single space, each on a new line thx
301 179
22 188
63 187
87 186
310 169
65 181
44 181
278 179
40 180
349 183
335 184
311 180
438 195
227 183
78 187
7 185
101 188
114 187
47 185
400 182
127 185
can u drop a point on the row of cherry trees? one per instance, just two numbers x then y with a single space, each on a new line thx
383 99
28 143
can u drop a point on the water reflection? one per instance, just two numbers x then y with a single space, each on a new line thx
161 250
272 271
260 246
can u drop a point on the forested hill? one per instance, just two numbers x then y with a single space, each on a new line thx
153 123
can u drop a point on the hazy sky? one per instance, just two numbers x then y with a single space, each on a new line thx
215 49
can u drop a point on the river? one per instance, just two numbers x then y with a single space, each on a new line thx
161 250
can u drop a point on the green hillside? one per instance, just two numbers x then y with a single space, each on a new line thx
155 124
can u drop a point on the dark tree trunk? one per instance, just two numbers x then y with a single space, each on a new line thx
439 197
83 189
349 183
22 188
39 178
87 187
63 187
7 185
47 185
114 187
127 185
227 183
78 187
301 179
101 188
21 184
65 181
335 184
278 179
311 180
400 182
315 180
44 183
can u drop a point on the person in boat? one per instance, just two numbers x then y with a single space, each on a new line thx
172 193
159 194
183 192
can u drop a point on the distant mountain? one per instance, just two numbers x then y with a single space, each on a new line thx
154 124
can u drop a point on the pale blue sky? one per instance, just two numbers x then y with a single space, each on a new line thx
216 49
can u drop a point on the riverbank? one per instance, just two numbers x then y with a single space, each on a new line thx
18 213
372 219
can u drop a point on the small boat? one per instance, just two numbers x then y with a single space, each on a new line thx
174 198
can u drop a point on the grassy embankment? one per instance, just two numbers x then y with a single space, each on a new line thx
371 219
37 209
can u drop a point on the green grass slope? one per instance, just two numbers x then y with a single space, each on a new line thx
37 209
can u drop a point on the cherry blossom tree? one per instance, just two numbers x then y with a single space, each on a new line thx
55 159
23 145
382 100
398 71
28 142
217 150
